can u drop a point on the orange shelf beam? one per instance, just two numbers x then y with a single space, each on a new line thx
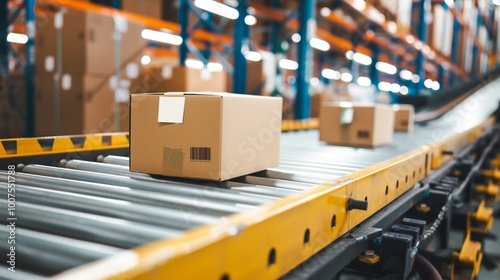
404 37
147 21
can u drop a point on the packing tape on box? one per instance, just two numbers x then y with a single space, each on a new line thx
173 160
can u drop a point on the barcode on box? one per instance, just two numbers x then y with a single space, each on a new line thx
199 154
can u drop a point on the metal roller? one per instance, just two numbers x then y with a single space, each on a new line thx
274 183
92 171
121 209
46 254
254 192
299 176
104 230
189 204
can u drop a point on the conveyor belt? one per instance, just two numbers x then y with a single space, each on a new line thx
83 211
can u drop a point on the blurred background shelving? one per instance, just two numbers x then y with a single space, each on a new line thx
67 67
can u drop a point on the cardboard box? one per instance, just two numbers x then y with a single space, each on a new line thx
177 79
351 124
212 136
403 117
12 106
316 100
87 44
150 8
86 102
255 78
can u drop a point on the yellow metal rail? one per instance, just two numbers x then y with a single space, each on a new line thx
267 242
11 148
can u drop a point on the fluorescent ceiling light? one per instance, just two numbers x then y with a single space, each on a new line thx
319 44
410 39
362 59
145 60
359 5
395 87
384 86
250 20
376 15
364 81
214 67
419 45
253 56
330 74
435 85
405 75
325 12
392 27
426 49
193 63
428 83
346 77
314 82
451 3
386 68
288 64
211 66
217 8
17 38
161 37
349 55
404 90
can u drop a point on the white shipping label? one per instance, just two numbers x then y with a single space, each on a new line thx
171 109
49 63
66 82
346 115
121 95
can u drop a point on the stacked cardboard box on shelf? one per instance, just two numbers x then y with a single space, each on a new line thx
12 105
150 8
255 78
89 92
168 78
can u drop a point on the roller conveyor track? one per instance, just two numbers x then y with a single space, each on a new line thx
104 204
83 210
